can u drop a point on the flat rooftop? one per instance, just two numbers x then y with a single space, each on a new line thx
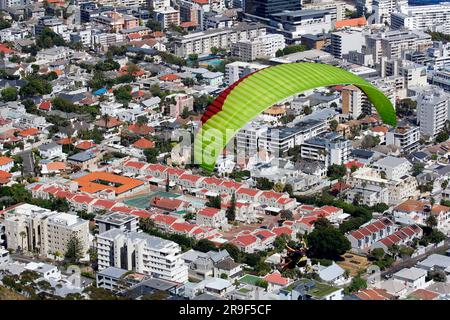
100 181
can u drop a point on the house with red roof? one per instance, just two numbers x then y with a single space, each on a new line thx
366 236
248 194
401 237
6 163
140 129
5 177
174 173
85 145
374 294
135 167
417 212
305 224
103 204
247 243
211 184
168 204
276 281
143 144
284 230
164 221
189 181
184 228
211 217
266 238
171 77
156 170
230 186
82 202
45 105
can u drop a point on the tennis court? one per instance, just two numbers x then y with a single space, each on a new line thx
143 201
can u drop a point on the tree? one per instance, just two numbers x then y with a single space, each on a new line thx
4 24
264 183
431 221
417 168
231 210
278 187
232 250
442 136
369 141
123 94
336 171
9 94
289 189
185 113
205 245
436 275
333 125
261 283
214 202
154 25
357 284
280 242
327 243
74 250
151 155
376 254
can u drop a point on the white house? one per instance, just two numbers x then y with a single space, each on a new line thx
50 150
6 163
211 217
414 278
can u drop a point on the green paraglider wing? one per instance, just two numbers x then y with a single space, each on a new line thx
251 95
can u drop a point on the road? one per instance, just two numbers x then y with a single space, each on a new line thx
28 162
410 262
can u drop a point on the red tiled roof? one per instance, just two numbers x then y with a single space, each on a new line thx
169 77
248 191
45 105
166 203
190 177
355 22
282 230
5 160
135 164
208 212
143 143
28 132
85 145
107 204
141 129
276 278
245 240
165 219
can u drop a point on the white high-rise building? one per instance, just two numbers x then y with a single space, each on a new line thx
264 46
158 4
432 111
435 17
342 42
238 69
142 253
383 10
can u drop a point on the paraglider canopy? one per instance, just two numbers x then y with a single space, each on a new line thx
251 95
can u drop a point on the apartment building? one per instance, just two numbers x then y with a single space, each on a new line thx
117 220
392 168
398 190
201 42
330 148
281 139
435 17
167 16
352 101
342 42
432 111
262 47
404 136
383 10
336 8
142 253
239 69
441 78
293 24
35 229
158 4
60 228
393 43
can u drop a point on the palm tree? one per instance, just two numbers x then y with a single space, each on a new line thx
22 234
105 118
